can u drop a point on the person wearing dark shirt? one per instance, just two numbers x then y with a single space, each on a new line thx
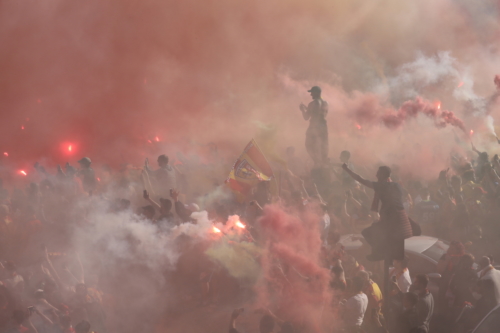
386 237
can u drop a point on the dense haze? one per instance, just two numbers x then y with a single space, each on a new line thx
122 80
107 76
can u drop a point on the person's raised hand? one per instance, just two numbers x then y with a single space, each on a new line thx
303 107
344 166
174 194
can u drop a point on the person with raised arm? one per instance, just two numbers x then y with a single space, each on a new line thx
317 132
386 237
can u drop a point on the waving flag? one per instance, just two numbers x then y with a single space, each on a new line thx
248 170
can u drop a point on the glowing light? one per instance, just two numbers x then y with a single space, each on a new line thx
149 141
358 126
22 172
439 105
22 127
241 225
157 139
216 230
70 148
98 179
460 84
6 154
471 132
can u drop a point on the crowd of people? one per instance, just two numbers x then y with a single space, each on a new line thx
47 285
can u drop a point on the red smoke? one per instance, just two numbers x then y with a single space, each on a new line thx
293 280
411 109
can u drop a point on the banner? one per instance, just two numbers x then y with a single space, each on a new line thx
248 170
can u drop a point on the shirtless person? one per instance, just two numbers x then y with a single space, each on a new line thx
317 133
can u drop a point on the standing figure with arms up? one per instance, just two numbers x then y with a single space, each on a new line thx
386 237
317 133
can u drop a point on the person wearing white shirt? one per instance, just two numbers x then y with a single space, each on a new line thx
355 307
486 271
402 274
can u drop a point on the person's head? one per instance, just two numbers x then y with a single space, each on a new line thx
162 161
165 205
148 212
345 156
290 151
315 92
357 284
85 162
466 261
82 327
81 290
364 276
400 264
456 248
409 300
383 173
266 324
420 283
483 263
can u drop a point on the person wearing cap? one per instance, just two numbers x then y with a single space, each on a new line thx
165 178
317 133
89 181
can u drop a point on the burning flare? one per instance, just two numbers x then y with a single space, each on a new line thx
240 225
6 154
22 172
215 229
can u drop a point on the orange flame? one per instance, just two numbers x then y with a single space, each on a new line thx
241 225
23 172
215 229
439 105
70 148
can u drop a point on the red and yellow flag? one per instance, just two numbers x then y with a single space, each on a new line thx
248 170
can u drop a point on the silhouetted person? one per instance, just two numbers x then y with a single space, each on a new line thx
317 132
